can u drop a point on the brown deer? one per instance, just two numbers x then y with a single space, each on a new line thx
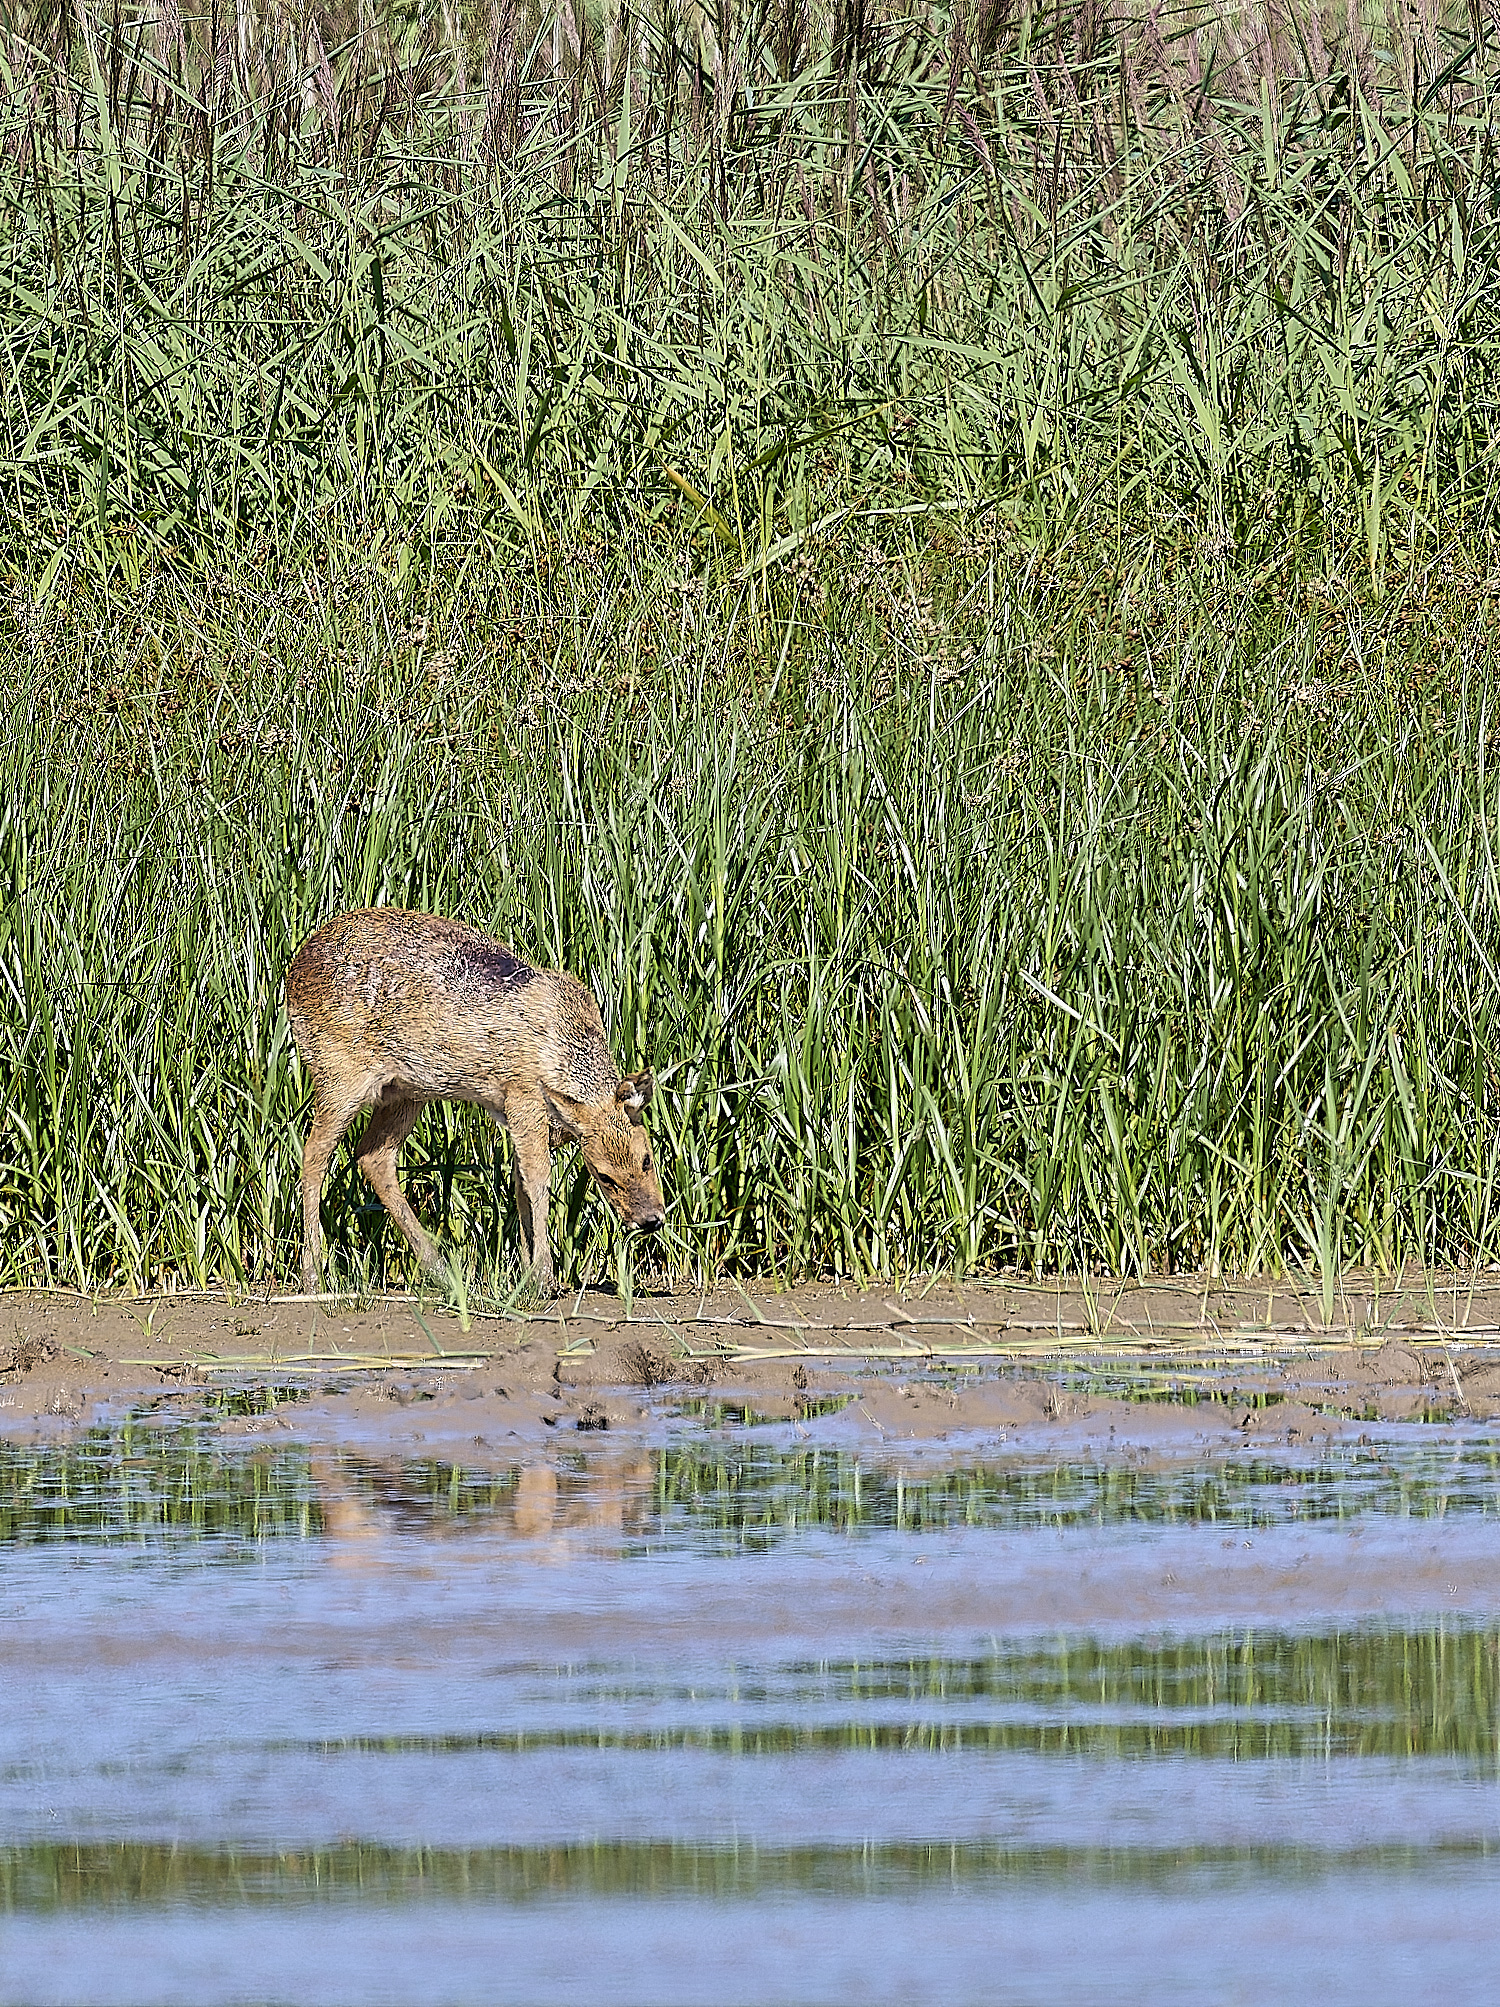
391 1010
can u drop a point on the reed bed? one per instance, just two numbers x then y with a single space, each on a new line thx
1093 951
427 283
944 563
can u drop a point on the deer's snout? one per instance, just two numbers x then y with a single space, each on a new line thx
637 1199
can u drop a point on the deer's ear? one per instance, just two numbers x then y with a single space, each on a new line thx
634 1091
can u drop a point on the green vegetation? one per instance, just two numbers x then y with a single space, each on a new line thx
94 1876
945 565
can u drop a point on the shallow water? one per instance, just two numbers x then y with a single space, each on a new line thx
133 1483
736 1724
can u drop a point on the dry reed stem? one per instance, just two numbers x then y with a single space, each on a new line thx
1271 1349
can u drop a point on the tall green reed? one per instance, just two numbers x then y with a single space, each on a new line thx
837 528
1056 947
380 278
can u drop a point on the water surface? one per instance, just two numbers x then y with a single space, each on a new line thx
730 1723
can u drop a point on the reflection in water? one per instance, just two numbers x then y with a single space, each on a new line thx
1234 1696
705 1760
51 1878
536 1500
131 1483
609 1496
345 1515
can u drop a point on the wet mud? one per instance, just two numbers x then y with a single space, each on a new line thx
1169 1368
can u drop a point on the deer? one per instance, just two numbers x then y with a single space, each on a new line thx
392 1009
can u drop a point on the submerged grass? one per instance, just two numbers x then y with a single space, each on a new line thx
946 567
85 1879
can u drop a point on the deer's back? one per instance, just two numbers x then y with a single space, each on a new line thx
414 998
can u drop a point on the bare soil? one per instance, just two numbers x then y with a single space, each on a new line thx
1167 1367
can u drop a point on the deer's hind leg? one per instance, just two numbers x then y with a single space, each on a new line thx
330 1120
390 1125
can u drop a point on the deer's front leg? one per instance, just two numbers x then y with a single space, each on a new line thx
533 1170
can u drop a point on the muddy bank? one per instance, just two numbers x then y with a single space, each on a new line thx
1169 1368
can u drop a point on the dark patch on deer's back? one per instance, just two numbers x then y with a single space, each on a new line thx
482 964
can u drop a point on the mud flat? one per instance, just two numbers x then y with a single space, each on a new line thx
961 1644
1168 1367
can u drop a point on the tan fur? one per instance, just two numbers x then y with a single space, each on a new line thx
391 1010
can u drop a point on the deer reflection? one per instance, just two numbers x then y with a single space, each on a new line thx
550 1502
